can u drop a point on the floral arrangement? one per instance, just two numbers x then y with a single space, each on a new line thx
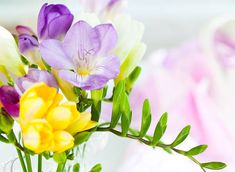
55 82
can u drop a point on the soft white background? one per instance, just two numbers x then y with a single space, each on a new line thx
167 22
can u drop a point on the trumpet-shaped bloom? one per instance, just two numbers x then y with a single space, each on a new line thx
54 21
9 100
130 54
46 124
9 56
33 76
84 58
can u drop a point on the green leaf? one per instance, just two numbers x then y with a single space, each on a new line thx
146 118
196 150
160 129
46 155
81 137
214 165
76 167
60 158
6 122
96 168
95 110
126 114
132 78
117 98
181 136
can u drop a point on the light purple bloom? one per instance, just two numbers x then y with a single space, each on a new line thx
9 98
33 76
27 43
54 21
84 57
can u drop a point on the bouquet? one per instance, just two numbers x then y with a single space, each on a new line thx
55 82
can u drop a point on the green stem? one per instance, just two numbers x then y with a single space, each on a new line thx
28 162
39 163
146 142
60 167
21 160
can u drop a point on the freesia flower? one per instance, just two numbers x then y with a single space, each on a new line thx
130 48
84 58
9 100
54 21
48 125
33 76
28 46
9 56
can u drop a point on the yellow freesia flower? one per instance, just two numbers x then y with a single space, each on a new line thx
48 125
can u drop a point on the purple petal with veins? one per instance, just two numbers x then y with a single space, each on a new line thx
9 98
85 57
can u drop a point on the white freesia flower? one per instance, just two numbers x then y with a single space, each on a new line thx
9 54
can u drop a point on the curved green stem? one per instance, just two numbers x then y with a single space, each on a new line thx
146 142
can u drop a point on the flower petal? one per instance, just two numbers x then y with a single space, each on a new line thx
52 52
9 98
108 38
81 41
63 141
33 76
107 67
89 82
54 28
80 123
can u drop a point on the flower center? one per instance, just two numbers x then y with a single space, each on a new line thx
84 72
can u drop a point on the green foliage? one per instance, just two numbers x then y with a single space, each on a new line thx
196 150
117 98
60 158
160 129
6 122
96 168
126 113
76 167
181 136
214 165
146 118
132 78
81 137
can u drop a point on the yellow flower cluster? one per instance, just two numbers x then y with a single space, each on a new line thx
47 124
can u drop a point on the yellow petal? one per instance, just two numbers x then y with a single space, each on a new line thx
73 108
80 123
38 136
63 141
59 118
36 101
91 124
58 98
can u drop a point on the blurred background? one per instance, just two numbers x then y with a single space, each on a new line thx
189 67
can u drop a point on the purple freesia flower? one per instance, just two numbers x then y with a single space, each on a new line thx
54 21
33 76
27 43
9 98
84 57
